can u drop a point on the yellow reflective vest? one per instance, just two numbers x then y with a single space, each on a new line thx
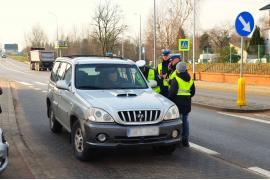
151 76
183 87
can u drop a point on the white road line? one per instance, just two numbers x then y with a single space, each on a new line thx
44 91
260 171
13 69
203 149
262 115
24 83
38 89
245 117
40 83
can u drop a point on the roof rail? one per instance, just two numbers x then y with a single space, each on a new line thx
75 56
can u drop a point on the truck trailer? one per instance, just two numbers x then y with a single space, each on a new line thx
41 60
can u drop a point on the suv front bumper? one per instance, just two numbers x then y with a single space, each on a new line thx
117 135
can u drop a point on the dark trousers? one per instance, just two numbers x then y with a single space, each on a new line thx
185 131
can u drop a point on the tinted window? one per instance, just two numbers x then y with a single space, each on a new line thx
54 71
68 73
61 71
108 76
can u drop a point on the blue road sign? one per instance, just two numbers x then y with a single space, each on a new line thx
244 24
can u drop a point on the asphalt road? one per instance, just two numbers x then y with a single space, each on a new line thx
223 146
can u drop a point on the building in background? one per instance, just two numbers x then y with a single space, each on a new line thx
11 48
266 30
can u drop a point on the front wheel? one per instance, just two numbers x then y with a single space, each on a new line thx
80 149
164 150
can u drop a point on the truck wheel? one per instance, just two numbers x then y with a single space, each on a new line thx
80 149
32 66
165 150
38 67
55 126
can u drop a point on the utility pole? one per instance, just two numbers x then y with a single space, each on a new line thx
155 42
194 35
122 46
57 37
140 43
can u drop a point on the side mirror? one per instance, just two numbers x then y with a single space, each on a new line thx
152 83
62 85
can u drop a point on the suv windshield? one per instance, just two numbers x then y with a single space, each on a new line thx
108 76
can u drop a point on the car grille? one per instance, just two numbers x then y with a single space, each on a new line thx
137 117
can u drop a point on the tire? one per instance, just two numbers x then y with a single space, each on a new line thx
78 142
55 126
165 150
37 67
31 66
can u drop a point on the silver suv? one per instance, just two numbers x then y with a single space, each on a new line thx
106 102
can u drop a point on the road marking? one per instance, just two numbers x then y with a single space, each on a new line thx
40 83
38 89
24 83
44 91
203 149
245 117
262 115
260 171
13 69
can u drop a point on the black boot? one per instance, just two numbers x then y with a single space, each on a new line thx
185 142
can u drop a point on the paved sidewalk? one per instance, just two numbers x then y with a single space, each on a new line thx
215 100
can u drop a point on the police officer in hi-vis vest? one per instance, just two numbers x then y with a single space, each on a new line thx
163 72
181 90
149 74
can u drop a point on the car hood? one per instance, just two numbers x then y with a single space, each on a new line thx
145 99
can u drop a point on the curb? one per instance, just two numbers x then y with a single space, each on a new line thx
17 136
230 109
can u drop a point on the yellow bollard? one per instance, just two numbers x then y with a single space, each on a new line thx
241 98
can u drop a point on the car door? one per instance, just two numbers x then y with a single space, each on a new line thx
65 103
57 92
52 90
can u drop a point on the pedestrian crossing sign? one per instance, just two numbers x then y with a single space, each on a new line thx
183 45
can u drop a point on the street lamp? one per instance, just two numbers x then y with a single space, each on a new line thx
194 18
155 42
140 38
56 19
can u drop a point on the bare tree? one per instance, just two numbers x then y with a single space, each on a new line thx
107 26
171 18
172 15
37 37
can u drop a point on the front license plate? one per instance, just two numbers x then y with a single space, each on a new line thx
143 131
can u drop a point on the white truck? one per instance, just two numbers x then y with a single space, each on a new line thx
41 60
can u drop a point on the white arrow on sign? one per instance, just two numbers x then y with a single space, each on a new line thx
246 25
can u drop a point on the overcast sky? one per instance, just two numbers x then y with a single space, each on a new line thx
18 16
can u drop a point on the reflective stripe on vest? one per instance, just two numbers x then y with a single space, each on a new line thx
183 87
151 76
165 81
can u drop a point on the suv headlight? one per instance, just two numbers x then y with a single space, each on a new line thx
99 115
172 113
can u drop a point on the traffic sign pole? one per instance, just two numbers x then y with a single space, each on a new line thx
244 25
242 58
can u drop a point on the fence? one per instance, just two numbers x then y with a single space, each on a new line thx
234 68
